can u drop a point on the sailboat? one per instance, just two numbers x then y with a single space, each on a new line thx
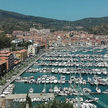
51 90
44 89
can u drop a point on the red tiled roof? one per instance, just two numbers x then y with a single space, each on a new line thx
5 53
2 62
21 51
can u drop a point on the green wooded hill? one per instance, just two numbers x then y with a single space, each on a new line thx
10 21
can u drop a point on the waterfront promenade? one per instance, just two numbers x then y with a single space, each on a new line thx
20 72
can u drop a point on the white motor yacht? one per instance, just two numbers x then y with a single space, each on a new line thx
56 89
85 105
31 90
98 90
106 91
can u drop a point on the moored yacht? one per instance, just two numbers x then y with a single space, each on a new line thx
31 90
98 90
44 90
106 91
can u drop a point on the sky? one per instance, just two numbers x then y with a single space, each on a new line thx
58 9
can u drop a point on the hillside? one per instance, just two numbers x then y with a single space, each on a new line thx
10 21
14 21
94 25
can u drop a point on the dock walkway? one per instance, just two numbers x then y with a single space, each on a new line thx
32 96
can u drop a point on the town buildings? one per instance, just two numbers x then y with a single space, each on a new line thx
41 31
17 41
33 49
44 37
8 58
20 55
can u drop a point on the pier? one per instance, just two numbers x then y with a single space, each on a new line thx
32 96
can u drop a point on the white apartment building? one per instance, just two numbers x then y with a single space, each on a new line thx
32 49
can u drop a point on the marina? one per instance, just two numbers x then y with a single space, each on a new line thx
74 74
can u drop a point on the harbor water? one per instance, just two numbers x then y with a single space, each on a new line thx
80 64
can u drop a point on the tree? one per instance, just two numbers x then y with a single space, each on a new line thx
28 101
55 104
5 42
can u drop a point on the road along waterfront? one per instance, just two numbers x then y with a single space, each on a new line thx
20 73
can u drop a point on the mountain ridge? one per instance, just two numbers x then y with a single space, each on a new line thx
10 21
